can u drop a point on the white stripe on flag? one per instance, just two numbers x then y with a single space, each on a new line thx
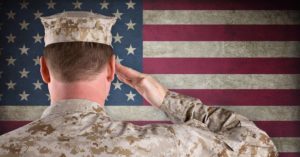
223 17
221 49
287 144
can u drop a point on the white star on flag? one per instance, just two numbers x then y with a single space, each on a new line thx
104 4
38 38
130 25
130 5
24 25
10 85
130 96
10 61
51 4
118 14
24 73
37 14
77 4
24 50
24 96
48 95
117 85
119 60
11 38
36 60
11 15
117 38
130 50
37 85
24 4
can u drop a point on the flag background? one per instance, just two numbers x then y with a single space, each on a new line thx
242 55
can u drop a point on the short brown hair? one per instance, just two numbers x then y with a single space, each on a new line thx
74 61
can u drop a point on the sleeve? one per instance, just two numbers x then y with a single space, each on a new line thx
239 133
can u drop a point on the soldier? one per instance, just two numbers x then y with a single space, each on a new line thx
78 66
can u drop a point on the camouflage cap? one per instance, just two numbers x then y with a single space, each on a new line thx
78 26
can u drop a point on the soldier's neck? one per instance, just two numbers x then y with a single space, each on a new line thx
91 90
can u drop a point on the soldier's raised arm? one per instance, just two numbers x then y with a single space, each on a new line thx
235 130
239 134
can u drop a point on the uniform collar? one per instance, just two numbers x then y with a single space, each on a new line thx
66 106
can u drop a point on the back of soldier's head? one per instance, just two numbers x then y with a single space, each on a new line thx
74 61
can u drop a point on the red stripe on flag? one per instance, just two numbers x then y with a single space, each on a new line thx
283 128
221 32
7 126
222 65
220 5
244 97
286 129
289 154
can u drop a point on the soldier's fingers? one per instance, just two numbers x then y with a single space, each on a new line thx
126 72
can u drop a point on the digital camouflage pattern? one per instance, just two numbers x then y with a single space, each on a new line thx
78 26
78 127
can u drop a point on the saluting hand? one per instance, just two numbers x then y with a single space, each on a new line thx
146 85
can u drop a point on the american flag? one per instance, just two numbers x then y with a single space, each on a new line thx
241 55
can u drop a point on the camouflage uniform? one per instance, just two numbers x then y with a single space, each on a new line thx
77 127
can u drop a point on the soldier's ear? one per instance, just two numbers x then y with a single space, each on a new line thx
111 67
44 70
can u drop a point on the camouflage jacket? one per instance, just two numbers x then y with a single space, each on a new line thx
78 127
